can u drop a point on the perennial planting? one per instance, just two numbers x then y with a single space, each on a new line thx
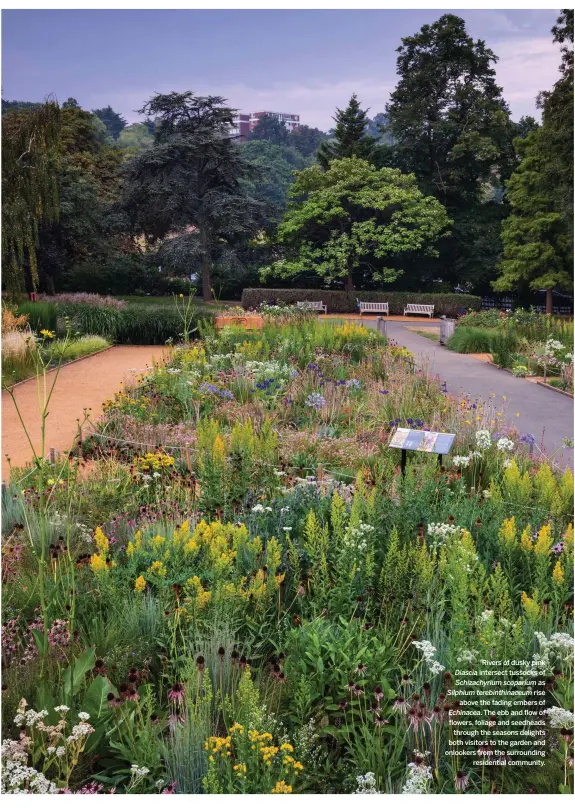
229 587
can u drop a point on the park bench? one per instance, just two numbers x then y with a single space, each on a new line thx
373 308
312 305
419 308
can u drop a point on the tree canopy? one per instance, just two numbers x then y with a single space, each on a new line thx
538 234
270 128
352 222
350 138
30 141
114 122
189 184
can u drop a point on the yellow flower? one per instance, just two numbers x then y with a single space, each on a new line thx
157 568
507 532
544 541
526 541
557 575
101 541
50 481
140 584
47 334
530 606
286 747
180 295
281 787
98 563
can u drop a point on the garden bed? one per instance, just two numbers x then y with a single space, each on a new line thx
245 570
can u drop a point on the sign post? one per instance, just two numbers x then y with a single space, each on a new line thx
419 440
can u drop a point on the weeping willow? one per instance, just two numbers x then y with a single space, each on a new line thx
30 140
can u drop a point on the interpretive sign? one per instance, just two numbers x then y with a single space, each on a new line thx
419 440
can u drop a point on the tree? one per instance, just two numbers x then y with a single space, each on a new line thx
113 120
451 128
270 128
71 102
19 105
30 140
352 220
538 235
350 138
135 137
190 183
277 165
306 139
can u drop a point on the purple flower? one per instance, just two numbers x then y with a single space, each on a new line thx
384 392
528 438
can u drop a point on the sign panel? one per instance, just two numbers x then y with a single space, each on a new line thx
421 441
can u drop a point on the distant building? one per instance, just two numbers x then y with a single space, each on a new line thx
245 123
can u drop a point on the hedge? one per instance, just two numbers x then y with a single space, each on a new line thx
345 302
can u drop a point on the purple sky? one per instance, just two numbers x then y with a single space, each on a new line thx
305 62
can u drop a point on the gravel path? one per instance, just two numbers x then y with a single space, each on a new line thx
544 413
80 385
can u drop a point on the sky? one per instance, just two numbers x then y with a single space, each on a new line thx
299 61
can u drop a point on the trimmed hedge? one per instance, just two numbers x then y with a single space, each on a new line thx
345 302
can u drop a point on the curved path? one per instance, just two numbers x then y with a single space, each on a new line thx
544 413
80 385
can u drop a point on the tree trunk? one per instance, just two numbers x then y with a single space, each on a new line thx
206 266
349 285
549 302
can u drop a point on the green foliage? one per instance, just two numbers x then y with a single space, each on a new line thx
30 141
271 129
40 315
352 220
468 339
346 303
277 165
190 182
306 139
113 121
350 138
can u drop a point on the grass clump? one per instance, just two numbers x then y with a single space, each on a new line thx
471 340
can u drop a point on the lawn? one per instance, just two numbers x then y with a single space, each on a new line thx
229 587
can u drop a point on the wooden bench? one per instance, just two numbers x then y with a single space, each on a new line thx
419 308
312 305
373 308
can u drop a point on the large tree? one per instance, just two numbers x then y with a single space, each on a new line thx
114 122
350 138
30 141
451 128
277 165
352 222
270 128
306 139
190 183
538 235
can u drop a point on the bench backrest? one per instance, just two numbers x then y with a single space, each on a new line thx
373 306
312 304
420 307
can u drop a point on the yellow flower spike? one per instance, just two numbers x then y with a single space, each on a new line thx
557 575
98 563
140 584
544 541
101 541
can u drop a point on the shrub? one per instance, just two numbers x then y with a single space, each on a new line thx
338 302
40 315
503 347
123 275
471 340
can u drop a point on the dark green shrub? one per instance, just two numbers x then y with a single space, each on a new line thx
40 315
124 275
471 340
345 302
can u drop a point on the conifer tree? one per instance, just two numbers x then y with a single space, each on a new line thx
350 137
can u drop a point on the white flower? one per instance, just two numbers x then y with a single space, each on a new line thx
62 709
258 508
461 460
507 463
60 751
486 494
84 716
418 777
505 445
139 772
560 718
483 438
366 784
287 529
50 750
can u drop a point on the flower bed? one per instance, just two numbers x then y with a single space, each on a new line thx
244 595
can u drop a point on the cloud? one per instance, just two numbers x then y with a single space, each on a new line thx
526 67
315 102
